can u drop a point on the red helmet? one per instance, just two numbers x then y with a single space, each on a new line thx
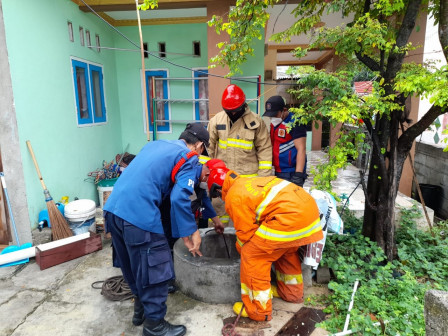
232 98
215 163
216 180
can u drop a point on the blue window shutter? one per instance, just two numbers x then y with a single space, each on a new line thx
166 126
82 92
97 92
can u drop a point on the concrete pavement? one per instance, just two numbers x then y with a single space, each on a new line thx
60 301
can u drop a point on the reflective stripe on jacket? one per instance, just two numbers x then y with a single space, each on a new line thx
245 147
274 212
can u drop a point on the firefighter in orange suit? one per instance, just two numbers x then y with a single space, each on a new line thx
240 138
272 218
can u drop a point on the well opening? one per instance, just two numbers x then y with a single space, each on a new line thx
219 246
214 277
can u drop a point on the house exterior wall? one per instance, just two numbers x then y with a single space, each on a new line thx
39 54
179 39
431 167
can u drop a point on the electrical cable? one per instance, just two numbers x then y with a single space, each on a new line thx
275 23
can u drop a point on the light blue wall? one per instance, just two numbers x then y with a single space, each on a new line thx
39 54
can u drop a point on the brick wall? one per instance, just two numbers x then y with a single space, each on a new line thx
431 167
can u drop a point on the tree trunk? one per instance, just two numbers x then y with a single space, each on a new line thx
382 189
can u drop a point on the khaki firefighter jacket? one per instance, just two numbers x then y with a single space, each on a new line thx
245 147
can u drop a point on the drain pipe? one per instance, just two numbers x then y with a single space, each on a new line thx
347 319
30 252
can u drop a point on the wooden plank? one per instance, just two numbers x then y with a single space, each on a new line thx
61 254
5 234
302 323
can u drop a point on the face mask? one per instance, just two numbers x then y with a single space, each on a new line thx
203 185
276 121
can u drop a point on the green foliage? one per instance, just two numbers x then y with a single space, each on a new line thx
149 4
419 251
246 22
390 292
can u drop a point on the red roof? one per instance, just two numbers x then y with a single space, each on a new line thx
363 88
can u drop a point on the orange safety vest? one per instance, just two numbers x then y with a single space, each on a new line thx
272 212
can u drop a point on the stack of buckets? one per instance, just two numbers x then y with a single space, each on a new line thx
105 187
80 215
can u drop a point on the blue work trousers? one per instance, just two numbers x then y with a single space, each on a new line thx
146 262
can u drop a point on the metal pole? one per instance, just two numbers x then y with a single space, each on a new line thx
145 102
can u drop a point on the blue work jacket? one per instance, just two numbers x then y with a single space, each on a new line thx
139 191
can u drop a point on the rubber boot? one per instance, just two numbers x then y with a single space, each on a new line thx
162 328
237 309
139 312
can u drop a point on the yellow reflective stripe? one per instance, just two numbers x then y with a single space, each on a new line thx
239 242
203 159
239 143
264 165
222 144
289 279
224 219
249 175
277 235
262 296
272 193
245 290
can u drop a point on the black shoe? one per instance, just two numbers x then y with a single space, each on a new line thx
162 328
172 289
139 312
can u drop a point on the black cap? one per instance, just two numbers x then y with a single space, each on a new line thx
273 105
199 132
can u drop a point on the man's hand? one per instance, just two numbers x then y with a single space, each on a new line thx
219 226
193 243
299 178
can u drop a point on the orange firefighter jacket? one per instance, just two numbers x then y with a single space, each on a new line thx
245 147
272 212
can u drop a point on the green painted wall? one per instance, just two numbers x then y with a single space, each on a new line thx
39 53
179 39
40 58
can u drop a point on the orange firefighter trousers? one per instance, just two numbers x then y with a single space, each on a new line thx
256 278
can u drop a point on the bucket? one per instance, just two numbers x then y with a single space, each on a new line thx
80 215
105 187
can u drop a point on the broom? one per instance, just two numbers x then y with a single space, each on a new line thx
59 226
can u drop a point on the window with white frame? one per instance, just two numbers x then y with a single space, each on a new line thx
89 92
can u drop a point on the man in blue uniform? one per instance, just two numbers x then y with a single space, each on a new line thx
134 220
288 147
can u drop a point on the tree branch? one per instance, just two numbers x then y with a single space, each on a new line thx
443 27
369 62
366 195
396 59
407 138
377 146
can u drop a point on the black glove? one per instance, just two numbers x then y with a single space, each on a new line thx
299 178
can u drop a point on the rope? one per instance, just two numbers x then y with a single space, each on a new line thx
229 328
114 288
